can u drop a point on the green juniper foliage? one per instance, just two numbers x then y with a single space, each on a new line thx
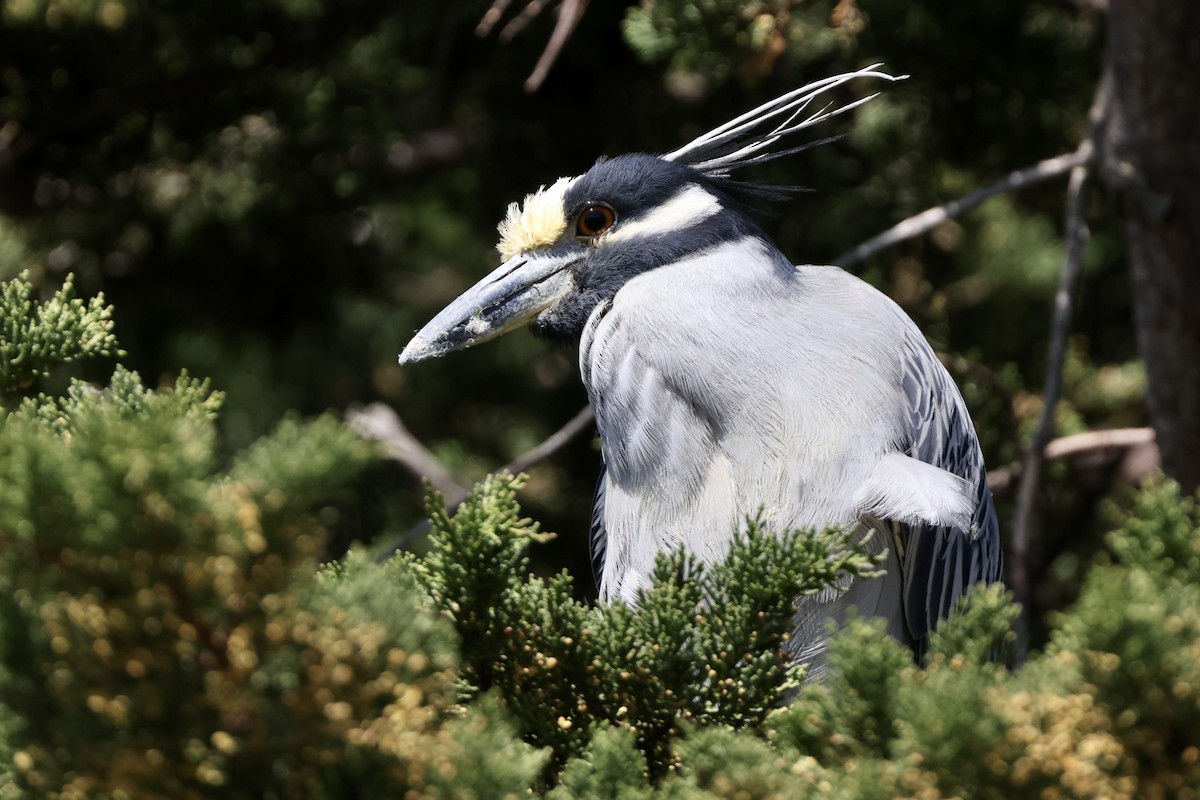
37 336
632 704
170 609
704 645
165 632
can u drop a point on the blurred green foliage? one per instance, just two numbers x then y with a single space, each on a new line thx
275 193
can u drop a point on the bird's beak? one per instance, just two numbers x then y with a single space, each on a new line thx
511 297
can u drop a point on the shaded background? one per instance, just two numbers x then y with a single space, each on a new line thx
277 193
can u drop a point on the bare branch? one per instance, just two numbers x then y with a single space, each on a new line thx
553 443
491 17
570 12
931 218
382 424
1076 236
379 423
1031 464
518 23
569 15
1002 479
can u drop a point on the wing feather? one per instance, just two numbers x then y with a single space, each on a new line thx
598 540
942 562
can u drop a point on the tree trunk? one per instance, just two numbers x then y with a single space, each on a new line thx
1153 163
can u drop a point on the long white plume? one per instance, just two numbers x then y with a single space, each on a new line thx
737 144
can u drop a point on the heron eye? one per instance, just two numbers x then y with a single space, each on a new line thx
595 220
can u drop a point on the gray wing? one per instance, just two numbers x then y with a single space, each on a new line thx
940 563
598 540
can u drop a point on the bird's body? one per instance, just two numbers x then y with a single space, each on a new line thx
801 444
727 382
817 442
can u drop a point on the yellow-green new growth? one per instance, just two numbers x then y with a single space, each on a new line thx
37 336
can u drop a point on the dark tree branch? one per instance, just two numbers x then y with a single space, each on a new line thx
552 444
930 218
1076 236
380 423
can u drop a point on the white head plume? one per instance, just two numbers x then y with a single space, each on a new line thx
736 143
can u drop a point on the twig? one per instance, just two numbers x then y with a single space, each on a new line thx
931 218
518 23
491 17
380 423
569 15
570 12
1003 478
1031 464
1080 443
553 443
1076 236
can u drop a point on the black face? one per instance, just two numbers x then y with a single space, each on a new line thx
630 188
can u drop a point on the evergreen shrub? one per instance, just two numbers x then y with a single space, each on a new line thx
166 631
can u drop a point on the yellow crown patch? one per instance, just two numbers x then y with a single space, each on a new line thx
538 222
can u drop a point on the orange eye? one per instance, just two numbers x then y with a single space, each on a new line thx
595 220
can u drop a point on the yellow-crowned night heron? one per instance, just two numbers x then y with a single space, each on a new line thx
725 380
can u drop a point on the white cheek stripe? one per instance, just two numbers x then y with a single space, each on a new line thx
687 207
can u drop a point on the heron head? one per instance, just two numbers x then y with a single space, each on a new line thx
575 243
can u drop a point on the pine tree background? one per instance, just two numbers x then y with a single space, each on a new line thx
275 194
